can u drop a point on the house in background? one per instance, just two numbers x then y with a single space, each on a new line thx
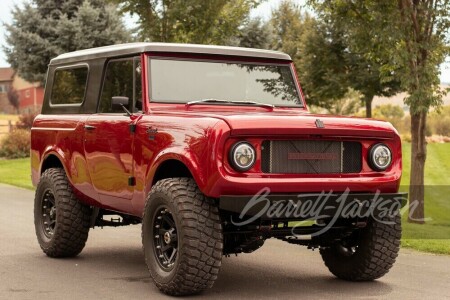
6 78
31 95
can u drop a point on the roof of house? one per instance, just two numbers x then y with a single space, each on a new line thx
6 74
135 48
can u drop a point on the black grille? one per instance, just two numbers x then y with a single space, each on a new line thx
310 157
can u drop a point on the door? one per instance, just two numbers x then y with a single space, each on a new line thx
109 142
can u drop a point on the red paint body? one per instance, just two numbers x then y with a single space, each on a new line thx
99 163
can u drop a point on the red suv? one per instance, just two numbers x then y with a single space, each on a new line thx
214 151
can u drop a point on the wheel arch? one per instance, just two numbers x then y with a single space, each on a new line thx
51 160
171 168
173 165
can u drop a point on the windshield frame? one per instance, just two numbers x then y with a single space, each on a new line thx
222 59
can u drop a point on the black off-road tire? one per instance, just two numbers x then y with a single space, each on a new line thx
377 247
199 237
71 221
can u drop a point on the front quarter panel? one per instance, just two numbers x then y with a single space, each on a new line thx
160 138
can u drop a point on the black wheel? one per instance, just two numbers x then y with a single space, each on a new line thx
181 237
61 221
368 253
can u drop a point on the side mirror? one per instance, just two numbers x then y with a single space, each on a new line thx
117 102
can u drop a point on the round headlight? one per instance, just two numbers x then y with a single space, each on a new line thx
242 156
380 157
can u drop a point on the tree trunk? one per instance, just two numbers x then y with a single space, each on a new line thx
418 157
368 101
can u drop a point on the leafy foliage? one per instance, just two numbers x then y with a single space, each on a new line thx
288 23
16 144
389 112
410 40
394 114
439 122
26 120
294 33
13 98
333 62
189 21
43 29
327 63
255 34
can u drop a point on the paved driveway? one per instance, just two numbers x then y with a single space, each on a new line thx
112 267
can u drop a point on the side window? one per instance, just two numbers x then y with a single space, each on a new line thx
138 84
122 79
69 85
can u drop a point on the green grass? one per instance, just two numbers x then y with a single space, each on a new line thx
9 117
16 172
434 236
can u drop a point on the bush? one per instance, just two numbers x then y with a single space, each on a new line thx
394 114
16 144
442 126
439 122
26 120
406 138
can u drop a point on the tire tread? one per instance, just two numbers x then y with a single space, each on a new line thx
202 246
377 255
73 217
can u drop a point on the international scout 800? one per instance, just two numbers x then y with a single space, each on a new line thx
214 151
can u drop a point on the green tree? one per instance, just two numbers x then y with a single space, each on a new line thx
189 21
409 38
389 112
332 64
326 62
294 32
255 34
288 24
322 66
394 114
348 105
43 29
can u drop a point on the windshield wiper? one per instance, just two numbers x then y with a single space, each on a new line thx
207 100
213 100
254 103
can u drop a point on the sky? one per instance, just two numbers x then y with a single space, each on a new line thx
263 11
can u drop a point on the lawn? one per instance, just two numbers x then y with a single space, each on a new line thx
13 118
433 237
4 125
16 172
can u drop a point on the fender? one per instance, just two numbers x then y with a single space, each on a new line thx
175 153
80 194
49 151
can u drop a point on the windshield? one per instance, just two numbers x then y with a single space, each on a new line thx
183 81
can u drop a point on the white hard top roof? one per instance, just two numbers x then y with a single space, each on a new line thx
136 48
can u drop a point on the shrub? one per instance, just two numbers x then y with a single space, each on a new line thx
393 114
439 121
442 126
26 120
406 137
16 144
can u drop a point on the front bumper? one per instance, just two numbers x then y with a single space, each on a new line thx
314 206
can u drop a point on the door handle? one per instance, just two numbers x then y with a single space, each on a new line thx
89 127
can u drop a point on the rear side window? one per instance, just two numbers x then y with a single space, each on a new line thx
69 85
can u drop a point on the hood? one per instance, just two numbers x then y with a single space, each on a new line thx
295 122
307 124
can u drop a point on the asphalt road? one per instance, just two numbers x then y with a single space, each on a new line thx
112 267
